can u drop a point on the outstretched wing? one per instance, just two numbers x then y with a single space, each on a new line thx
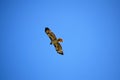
50 34
58 48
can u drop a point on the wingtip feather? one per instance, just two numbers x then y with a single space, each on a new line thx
61 53
46 28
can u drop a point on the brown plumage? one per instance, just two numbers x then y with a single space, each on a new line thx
54 40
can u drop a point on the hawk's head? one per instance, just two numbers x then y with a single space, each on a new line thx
60 40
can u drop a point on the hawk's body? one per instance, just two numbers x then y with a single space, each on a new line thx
54 40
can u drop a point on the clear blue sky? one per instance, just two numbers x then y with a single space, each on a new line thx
90 30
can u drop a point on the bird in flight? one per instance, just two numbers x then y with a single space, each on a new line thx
54 40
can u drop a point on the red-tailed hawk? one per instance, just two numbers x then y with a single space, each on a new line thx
54 40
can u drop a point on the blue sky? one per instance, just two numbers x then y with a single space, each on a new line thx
90 30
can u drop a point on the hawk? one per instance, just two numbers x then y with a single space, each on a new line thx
54 40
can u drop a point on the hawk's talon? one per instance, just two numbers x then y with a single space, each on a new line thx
50 43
